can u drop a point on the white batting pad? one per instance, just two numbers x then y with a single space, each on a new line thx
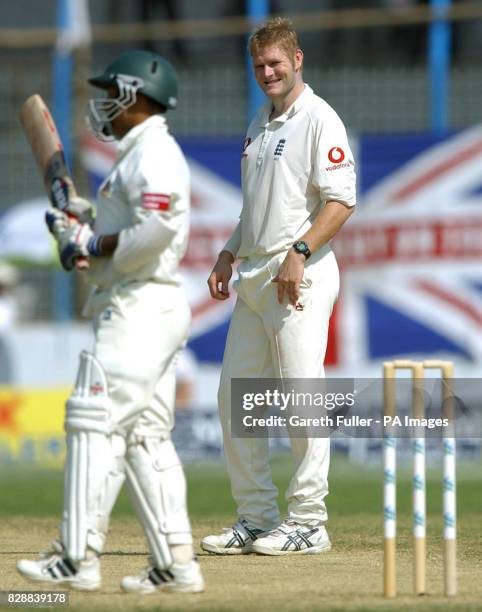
94 470
156 481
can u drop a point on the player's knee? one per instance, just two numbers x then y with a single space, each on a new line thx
89 406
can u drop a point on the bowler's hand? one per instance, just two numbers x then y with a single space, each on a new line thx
289 277
218 281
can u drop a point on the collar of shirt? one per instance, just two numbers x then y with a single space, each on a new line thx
133 134
298 104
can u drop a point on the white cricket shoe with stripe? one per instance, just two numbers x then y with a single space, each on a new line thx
55 568
235 540
291 538
186 578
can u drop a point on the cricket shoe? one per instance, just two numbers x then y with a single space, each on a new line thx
235 540
55 567
291 538
179 578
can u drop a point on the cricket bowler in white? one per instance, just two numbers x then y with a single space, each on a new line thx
298 184
120 415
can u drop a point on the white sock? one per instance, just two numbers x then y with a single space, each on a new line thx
91 554
182 553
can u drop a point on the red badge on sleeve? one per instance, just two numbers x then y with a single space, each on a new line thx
156 201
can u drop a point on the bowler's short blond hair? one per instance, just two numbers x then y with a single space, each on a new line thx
277 32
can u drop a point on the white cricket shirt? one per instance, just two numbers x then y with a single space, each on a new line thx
146 200
291 166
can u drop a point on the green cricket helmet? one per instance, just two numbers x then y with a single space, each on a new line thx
131 73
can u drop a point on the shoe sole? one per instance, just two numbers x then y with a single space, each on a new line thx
216 550
82 587
313 550
64 583
191 588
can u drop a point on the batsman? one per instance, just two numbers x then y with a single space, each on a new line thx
120 415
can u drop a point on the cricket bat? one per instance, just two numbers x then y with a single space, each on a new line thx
44 139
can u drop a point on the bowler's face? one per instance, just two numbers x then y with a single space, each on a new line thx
277 73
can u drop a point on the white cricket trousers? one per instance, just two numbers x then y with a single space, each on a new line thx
139 330
271 340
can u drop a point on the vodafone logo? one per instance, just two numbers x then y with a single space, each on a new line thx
336 155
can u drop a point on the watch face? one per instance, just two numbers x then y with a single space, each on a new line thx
302 248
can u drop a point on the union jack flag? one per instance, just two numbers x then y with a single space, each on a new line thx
411 255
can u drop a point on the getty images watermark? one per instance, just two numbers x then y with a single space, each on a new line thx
348 407
296 402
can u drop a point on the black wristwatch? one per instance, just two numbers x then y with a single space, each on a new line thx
301 247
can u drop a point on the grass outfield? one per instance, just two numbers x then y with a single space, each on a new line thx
347 578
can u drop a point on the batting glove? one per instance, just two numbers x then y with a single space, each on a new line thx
82 209
57 222
74 239
74 243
